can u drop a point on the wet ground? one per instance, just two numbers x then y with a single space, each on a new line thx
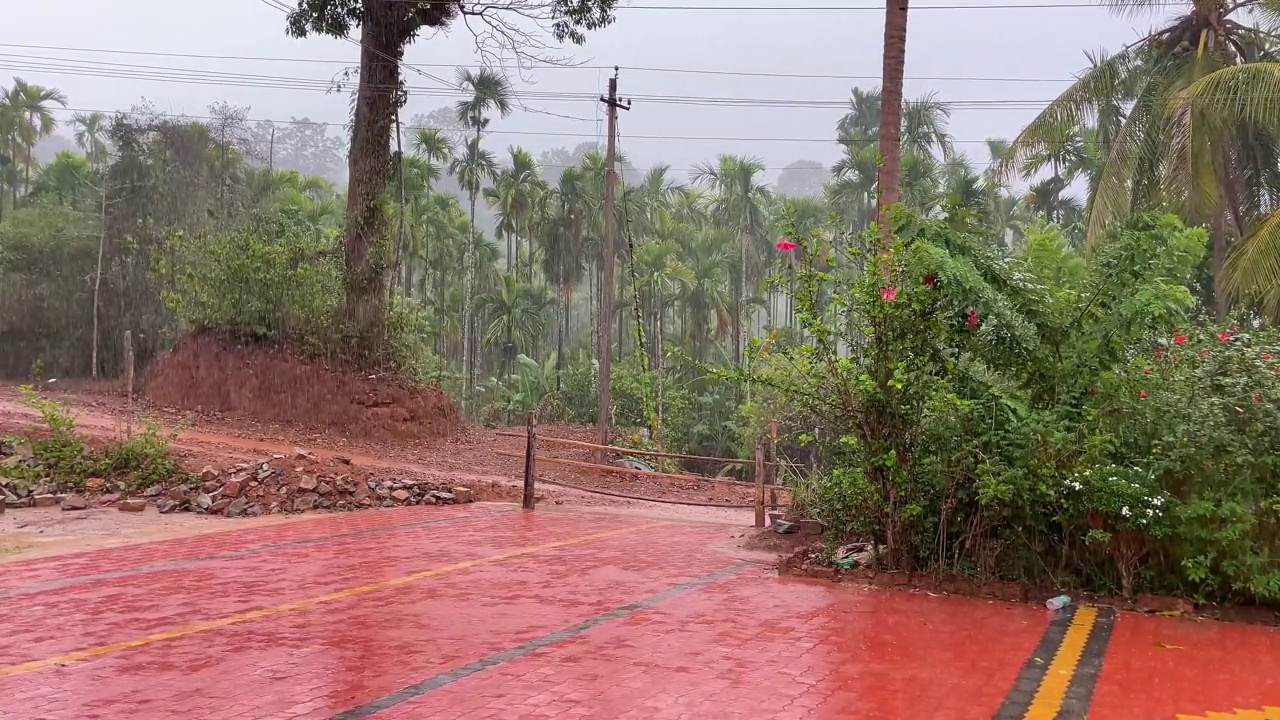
486 611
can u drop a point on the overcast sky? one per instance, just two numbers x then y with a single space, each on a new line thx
1036 43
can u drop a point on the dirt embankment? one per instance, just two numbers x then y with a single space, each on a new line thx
204 374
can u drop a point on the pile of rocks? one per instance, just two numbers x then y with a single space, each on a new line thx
278 484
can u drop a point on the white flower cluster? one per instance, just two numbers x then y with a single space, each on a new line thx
1143 505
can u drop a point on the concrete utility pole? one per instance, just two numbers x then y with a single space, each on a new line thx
604 322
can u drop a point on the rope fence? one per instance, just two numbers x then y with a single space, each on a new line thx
765 471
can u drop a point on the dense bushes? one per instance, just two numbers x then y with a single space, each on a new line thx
278 278
48 256
1036 414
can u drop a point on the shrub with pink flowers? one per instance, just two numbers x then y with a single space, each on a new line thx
1037 413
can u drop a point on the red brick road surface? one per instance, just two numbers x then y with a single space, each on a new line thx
483 611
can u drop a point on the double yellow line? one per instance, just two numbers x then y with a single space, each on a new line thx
192 629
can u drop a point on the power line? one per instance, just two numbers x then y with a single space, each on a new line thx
583 136
155 73
858 8
540 66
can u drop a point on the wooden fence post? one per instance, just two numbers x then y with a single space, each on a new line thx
760 471
128 378
529 460
774 467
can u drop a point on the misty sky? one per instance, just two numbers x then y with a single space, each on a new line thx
1044 43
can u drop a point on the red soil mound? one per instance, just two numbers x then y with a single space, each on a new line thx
274 384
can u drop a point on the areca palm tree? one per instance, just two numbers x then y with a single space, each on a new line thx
1162 147
563 259
66 179
738 199
472 168
661 275
514 195
514 315
487 92
91 136
435 150
29 118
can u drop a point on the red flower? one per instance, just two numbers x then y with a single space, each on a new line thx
931 280
1266 356
888 293
1143 394
973 318
786 244
1146 371
1179 339
1257 398
1224 336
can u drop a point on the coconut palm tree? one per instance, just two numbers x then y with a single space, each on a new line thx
895 60
738 198
1247 94
1168 149
91 136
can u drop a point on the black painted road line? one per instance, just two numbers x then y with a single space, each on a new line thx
438 681
1024 688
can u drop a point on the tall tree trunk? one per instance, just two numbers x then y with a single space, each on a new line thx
530 254
895 59
661 370
369 165
468 280
561 328
1219 237
739 339
26 182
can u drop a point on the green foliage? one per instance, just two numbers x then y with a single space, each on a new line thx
48 254
61 458
524 390
61 453
410 334
1036 413
142 460
277 278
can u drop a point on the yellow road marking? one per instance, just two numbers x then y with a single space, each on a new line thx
86 653
1053 688
1266 713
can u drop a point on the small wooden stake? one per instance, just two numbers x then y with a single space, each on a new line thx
760 471
128 377
529 460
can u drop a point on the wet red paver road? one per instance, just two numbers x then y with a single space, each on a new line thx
483 611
